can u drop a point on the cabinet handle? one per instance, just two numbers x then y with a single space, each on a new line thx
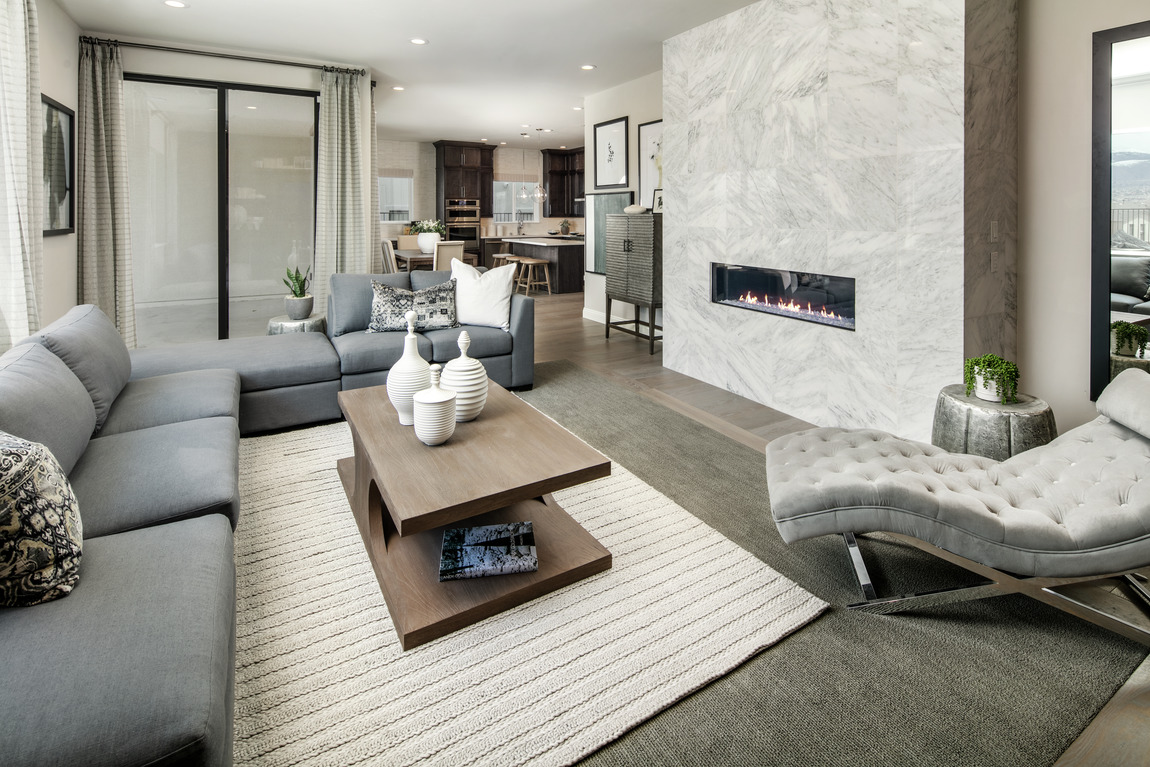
461 156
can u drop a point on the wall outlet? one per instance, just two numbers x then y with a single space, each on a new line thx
994 261
994 231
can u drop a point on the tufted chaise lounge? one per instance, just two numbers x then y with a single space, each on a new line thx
1076 509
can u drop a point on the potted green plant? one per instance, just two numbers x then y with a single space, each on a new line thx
298 304
565 227
991 378
429 231
1129 339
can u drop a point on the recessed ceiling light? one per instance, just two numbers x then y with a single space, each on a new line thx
175 4
482 139
502 143
524 125
562 146
587 66
397 87
578 109
546 130
253 107
418 41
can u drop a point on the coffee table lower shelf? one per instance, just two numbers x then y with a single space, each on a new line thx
407 567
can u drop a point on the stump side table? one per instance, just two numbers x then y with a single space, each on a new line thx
283 324
970 425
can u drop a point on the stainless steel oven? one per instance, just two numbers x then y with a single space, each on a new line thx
460 211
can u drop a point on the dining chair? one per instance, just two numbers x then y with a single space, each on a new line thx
445 250
408 241
389 265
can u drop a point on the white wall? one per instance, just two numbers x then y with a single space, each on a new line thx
59 50
1055 60
641 100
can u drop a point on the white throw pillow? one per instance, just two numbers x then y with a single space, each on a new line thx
483 298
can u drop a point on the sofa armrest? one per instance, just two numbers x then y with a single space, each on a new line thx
522 328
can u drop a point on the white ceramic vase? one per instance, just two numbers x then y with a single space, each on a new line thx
434 412
427 241
986 390
408 375
467 377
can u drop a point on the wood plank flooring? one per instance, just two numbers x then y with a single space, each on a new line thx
1118 735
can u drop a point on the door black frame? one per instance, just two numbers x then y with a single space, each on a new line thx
222 214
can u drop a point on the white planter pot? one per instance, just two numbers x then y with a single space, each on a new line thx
427 241
1125 351
987 390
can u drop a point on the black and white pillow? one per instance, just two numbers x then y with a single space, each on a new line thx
41 537
434 307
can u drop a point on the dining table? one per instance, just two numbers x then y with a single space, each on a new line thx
407 260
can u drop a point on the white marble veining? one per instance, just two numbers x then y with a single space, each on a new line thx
834 136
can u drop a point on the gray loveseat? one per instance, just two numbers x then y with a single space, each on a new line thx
136 665
1130 282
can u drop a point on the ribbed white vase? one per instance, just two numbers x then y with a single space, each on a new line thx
408 375
466 377
434 412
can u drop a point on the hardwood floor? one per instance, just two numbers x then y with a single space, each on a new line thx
1117 736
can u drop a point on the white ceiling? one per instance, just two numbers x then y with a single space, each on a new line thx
488 67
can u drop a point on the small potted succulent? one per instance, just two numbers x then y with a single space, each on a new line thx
429 231
1129 339
298 304
991 378
564 227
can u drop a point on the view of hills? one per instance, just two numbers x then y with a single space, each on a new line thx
1130 180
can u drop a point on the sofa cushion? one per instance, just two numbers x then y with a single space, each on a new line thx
1126 400
1120 302
485 342
89 344
483 298
434 307
40 534
136 666
175 397
162 474
263 362
349 302
363 352
1130 275
41 400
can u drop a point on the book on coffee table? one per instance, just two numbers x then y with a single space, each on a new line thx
476 552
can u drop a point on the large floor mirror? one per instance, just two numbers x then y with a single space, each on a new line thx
1120 215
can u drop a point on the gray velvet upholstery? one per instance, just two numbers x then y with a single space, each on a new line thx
362 352
163 474
1075 507
89 344
288 406
41 400
135 666
172 398
485 342
349 302
1126 400
263 362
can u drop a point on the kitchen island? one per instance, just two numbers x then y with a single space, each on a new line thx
564 256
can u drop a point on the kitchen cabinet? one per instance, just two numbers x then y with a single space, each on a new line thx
464 169
563 180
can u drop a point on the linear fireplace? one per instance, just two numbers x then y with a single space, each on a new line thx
821 298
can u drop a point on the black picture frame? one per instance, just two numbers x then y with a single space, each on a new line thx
59 134
611 163
657 201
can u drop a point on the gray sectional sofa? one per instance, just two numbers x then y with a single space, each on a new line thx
136 664
1130 282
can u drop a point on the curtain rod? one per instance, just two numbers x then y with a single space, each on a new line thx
234 56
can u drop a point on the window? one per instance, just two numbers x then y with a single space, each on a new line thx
396 193
506 205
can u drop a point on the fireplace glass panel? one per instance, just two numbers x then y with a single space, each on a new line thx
821 298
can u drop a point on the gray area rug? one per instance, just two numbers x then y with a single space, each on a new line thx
1004 681
321 678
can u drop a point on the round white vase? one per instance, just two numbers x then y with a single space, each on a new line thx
434 412
467 377
408 375
427 241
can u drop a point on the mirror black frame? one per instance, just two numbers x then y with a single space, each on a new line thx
69 118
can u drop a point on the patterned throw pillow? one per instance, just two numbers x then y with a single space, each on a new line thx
40 533
434 307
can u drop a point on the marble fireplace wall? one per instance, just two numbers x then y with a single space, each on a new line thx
827 137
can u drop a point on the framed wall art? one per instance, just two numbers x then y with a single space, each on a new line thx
611 154
650 162
59 140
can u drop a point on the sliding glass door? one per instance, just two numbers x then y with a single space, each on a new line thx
222 200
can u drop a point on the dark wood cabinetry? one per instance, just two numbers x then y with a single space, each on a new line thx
563 180
464 169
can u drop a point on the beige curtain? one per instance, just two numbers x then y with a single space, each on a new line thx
379 264
21 172
341 234
104 237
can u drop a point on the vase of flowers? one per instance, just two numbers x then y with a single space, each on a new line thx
429 232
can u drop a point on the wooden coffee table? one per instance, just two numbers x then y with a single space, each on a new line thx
498 468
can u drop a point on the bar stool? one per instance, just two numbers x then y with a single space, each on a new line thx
529 275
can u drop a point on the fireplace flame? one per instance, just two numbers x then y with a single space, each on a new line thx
789 306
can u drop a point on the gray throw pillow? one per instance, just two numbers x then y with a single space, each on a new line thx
434 307
41 537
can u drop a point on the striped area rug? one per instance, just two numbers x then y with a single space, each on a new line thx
321 679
